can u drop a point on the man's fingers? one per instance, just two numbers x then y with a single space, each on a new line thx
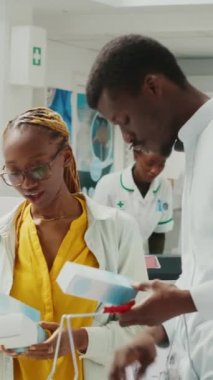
132 317
142 351
143 286
117 374
123 359
148 285
128 322
139 372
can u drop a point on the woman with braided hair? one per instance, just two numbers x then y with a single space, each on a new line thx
53 225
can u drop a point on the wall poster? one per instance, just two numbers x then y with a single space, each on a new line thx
60 101
94 142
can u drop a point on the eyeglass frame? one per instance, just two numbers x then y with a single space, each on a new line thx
24 173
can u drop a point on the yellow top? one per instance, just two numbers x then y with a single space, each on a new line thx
37 287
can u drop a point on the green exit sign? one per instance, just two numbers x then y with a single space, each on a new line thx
36 56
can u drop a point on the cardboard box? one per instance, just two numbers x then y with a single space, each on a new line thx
87 282
17 330
18 324
152 262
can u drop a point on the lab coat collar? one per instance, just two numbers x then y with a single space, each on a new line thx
197 123
126 179
8 220
128 184
95 212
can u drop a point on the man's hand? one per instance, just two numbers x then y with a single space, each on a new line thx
142 350
165 301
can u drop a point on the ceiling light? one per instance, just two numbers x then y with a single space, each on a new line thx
145 3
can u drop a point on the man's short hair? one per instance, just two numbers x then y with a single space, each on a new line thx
123 63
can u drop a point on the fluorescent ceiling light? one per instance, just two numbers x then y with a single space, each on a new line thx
145 3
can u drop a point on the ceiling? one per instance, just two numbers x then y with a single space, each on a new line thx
186 30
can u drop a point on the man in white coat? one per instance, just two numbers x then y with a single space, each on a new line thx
137 84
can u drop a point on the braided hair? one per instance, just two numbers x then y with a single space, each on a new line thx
50 121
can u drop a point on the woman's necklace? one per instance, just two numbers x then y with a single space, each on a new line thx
42 218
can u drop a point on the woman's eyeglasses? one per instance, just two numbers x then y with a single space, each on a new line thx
36 173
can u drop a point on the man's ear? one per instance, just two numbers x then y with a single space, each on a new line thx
152 85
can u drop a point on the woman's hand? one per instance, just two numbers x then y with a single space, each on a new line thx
46 350
9 352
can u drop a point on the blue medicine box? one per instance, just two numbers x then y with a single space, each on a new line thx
97 284
19 324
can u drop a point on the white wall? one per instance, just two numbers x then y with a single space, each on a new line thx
13 99
199 72
68 66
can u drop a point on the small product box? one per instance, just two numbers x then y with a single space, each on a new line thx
96 284
152 262
19 326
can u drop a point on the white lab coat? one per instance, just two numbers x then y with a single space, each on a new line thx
114 239
197 246
152 213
